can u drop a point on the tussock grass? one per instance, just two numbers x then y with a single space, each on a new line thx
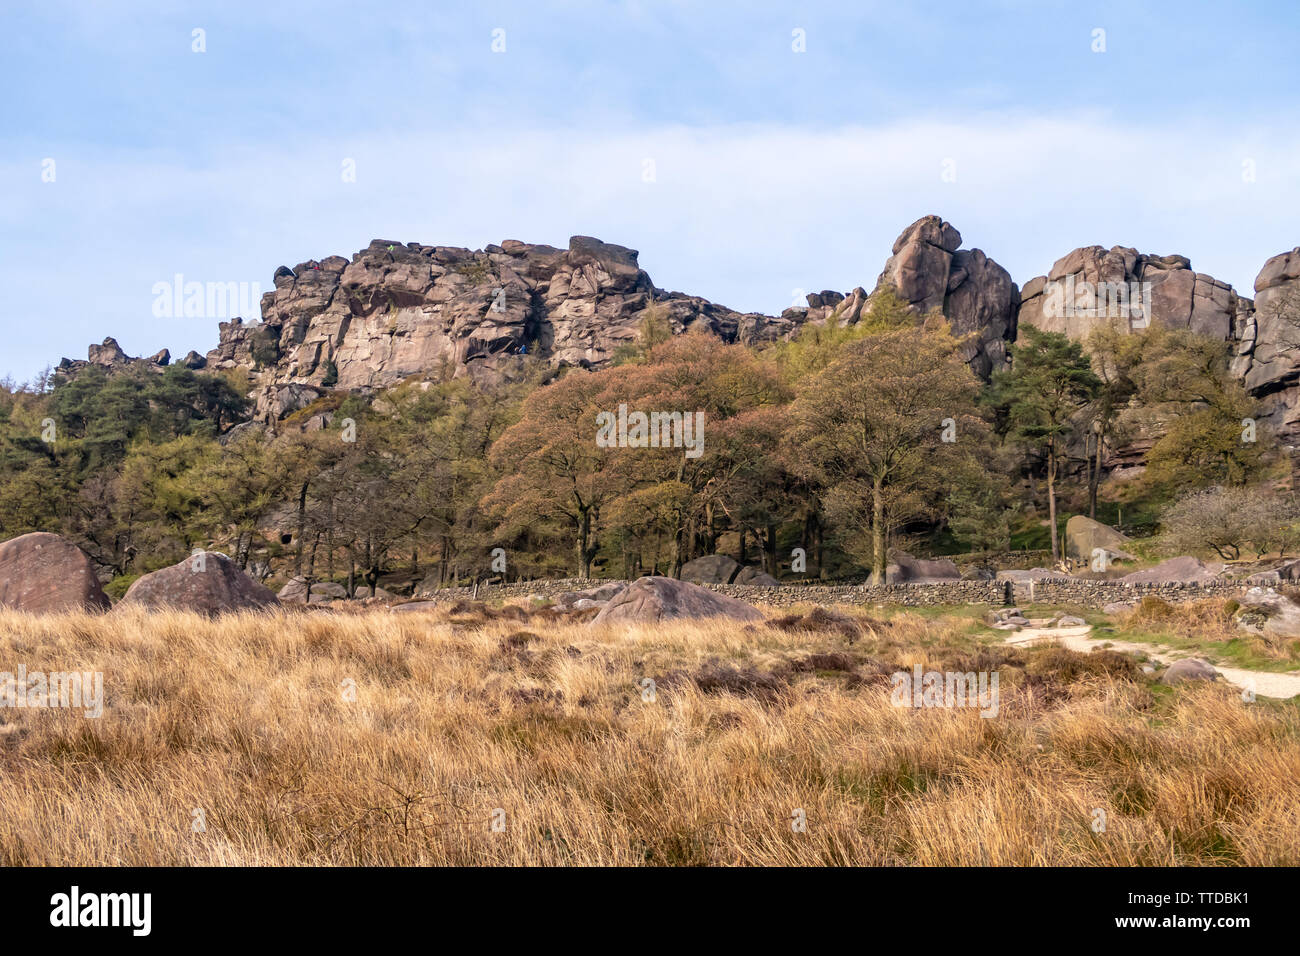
1208 626
458 714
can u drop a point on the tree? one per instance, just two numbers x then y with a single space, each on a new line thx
1049 380
871 430
817 345
552 468
1230 519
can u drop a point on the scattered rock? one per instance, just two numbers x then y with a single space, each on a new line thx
1265 611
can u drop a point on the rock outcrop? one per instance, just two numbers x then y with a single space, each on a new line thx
930 272
44 573
1093 286
210 584
109 356
653 600
1268 344
397 310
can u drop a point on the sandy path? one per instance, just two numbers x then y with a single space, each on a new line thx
1264 683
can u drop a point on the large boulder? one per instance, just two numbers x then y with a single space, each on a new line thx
654 600
1265 611
1183 570
905 569
1084 535
45 573
209 583
710 569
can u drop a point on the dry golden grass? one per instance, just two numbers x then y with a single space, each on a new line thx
244 717
1208 624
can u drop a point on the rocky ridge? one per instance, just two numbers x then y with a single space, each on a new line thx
399 310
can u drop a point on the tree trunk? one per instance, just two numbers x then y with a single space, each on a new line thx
1051 500
302 526
878 532
584 537
1096 478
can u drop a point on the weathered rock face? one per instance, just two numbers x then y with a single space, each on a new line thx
212 584
398 310
1091 287
654 600
1268 344
43 573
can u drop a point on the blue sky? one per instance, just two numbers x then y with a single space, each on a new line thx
774 171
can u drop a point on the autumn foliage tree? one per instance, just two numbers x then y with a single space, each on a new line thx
872 430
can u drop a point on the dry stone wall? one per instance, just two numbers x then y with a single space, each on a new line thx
1064 591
